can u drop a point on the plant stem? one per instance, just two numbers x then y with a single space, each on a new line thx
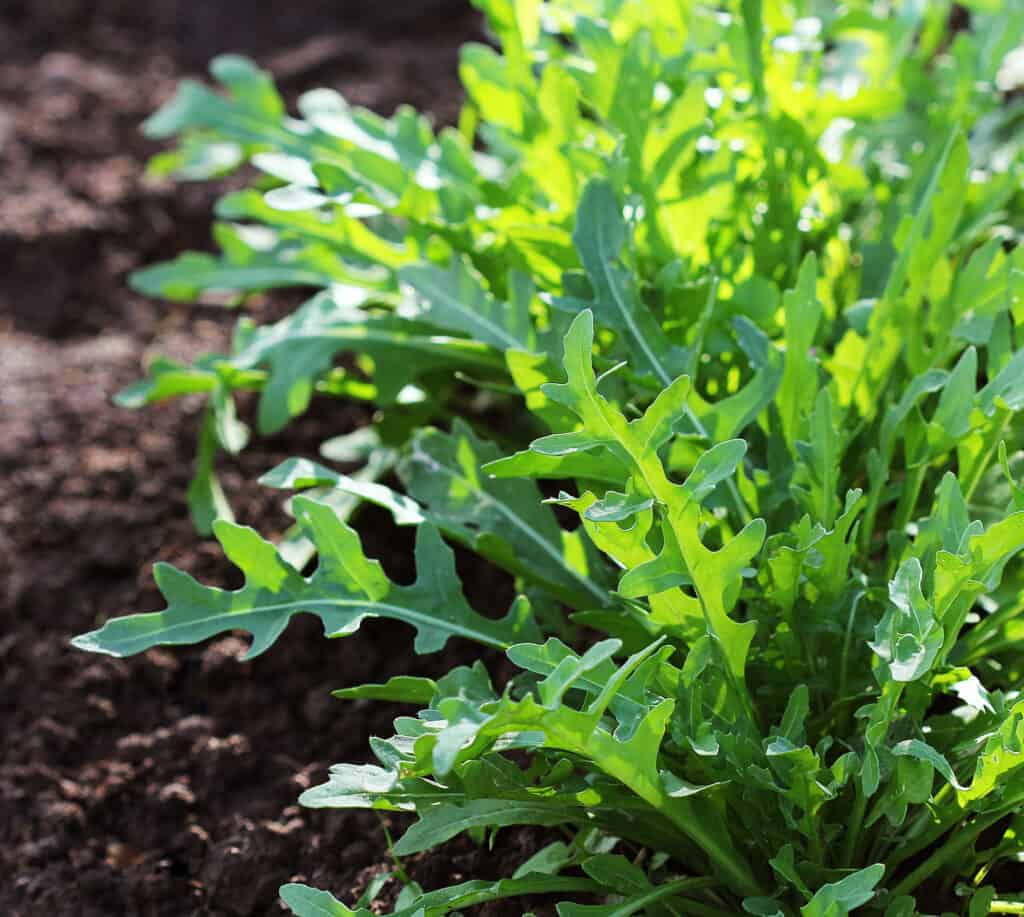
730 864
908 499
662 891
698 909
1006 907
860 804
844 667
991 443
867 527
953 848
399 869
973 641
918 840
692 820
550 885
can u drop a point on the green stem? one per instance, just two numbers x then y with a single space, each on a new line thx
548 885
991 649
662 891
1006 907
860 805
920 838
698 909
867 528
730 864
973 641
844 666
952 849
403 876
908 499
991 443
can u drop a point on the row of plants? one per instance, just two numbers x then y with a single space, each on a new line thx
703 325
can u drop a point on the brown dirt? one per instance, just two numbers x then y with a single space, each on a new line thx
166 784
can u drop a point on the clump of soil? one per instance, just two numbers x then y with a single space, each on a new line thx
166 784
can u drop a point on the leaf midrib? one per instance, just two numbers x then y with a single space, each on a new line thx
434 345
438 292
401 612
627 316
544 545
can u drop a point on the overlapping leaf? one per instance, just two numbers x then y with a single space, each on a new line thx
345 589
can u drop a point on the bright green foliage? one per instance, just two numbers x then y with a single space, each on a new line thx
738 289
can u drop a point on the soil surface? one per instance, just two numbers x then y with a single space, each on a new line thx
166 784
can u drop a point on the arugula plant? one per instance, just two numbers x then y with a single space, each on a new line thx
736 141
739 292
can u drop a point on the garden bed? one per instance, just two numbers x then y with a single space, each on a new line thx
165 784
735 293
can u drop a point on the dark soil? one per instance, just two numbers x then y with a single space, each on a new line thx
166 784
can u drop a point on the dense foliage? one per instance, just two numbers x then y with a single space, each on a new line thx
740 291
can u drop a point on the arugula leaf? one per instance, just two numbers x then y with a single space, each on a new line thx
601 232
345 589
715 574
837 899
304 901
443 822
800 375
456 301
502 520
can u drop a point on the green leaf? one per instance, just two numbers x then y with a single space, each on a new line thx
820 455
248 268
304 901
800 374
468 894
617 873
404 689
718 464
716 575
1016 491
455 300
616 507
909 637
599 237
922 751
299 474
532 464
443 822
763 907
549 860
367 786
589 673
503 520
345 589
840 898
1002 754
301 347
1006 389
167 379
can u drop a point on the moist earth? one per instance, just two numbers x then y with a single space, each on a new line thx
167 784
